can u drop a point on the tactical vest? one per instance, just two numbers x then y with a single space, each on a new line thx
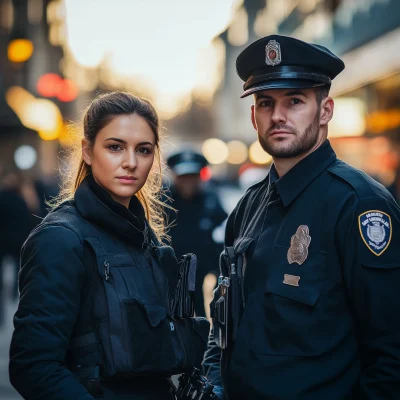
137 334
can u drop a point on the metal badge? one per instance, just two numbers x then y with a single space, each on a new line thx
291 280
273 54
299 243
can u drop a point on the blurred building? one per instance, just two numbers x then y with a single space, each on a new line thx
366 34
36 99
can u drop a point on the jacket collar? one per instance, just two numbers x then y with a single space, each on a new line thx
303 173
96 205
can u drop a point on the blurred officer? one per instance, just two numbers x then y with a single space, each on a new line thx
312 260
199 212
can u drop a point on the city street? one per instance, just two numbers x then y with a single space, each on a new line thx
7 392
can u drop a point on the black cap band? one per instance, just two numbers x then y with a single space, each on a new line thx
286 72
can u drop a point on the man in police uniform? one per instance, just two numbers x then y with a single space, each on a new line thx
319 249
199 212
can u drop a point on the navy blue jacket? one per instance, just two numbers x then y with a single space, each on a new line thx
54 283
321 286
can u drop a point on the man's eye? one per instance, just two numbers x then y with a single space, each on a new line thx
296 101
115 147
265 103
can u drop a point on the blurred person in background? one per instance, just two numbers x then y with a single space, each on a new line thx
94 316
16 221
198 213
312 256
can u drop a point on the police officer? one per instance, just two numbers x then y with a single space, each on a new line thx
315 247
199 212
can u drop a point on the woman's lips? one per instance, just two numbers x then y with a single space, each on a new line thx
127 179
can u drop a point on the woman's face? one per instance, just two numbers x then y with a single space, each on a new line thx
122 156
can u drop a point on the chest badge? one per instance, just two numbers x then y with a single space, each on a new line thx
299 243
375 230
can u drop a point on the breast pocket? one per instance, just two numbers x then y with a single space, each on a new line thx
291 313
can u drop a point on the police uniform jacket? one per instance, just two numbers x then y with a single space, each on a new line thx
321 279
56 283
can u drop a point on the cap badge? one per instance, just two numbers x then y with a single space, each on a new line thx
273 54
299 243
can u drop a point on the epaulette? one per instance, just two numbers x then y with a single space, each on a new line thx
363 184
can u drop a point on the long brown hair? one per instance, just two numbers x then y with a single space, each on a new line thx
100 113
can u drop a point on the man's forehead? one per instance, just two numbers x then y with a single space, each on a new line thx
283 92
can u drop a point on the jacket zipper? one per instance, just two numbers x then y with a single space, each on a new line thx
107 273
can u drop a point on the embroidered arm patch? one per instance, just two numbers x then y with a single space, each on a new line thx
375 230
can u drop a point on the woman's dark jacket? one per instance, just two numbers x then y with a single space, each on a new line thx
57 288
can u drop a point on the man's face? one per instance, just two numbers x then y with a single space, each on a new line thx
187 185
287 121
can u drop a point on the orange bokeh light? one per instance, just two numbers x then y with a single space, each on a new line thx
53 85
67 91
48 85
205 174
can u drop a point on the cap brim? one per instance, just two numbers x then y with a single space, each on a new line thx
282 84
187 168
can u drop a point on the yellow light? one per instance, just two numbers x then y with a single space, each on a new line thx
20 50
237 152
257 154
41 115
348 117
215 151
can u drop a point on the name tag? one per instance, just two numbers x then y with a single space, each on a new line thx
291 280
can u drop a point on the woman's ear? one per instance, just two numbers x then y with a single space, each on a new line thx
86 152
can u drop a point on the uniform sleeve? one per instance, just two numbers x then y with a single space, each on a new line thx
369 247
50 283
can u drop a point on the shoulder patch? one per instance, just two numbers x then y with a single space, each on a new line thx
375 230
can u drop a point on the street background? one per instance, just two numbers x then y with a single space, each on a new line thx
56 55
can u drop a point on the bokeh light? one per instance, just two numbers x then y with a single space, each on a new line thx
215 151
48 85
257 154
348 118
41 115
25 157
237 152
20 50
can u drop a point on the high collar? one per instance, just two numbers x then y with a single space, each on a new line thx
96 205
302 174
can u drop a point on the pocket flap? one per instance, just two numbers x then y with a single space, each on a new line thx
155 314
306 295
378 265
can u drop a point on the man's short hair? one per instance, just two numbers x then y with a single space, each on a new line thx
321 92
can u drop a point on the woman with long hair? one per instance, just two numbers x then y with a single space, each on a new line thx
94 316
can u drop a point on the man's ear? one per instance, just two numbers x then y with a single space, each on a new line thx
326 113
253 118
86 152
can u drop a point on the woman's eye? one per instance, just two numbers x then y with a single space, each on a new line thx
144 150
115 147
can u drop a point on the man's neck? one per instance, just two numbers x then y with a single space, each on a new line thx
284 165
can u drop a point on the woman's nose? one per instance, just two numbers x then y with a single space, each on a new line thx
129 161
